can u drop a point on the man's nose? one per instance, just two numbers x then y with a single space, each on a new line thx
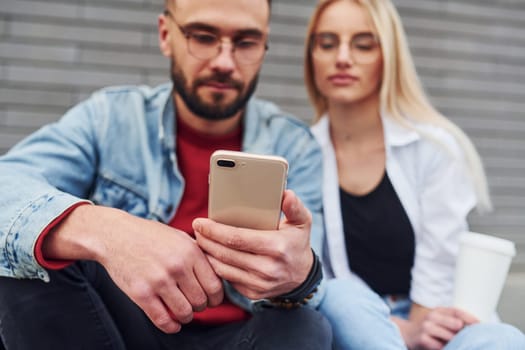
225 60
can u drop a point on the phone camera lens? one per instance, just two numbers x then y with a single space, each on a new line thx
225 163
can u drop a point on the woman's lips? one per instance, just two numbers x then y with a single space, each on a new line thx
342 79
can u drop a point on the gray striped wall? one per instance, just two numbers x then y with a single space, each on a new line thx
470 55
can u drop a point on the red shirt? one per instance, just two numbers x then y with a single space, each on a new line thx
193 153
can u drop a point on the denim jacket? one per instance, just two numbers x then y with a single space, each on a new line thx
117 149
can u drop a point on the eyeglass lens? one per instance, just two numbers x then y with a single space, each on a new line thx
202 44
362 46
205 45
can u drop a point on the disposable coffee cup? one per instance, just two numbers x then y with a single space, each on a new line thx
482 267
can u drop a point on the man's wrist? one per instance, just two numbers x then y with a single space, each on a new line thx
40 256
300 295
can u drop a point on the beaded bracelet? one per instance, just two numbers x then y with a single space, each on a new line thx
302 294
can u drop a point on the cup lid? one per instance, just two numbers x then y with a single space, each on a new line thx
496 244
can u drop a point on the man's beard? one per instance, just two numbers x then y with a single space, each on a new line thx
214 110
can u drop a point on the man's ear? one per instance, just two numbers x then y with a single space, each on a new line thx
164 36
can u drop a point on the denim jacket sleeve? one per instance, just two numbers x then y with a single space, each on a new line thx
34 193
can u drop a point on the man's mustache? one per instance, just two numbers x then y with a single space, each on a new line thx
222 79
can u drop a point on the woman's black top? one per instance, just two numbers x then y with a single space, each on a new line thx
379 238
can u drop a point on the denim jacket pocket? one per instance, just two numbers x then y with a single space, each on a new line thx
118 194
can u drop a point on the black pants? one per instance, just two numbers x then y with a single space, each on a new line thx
81 308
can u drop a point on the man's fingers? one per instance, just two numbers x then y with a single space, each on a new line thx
161 317
241 259
294 210
178 304
211 284
194 293
239 239
245 282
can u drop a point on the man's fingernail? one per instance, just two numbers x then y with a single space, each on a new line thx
197 225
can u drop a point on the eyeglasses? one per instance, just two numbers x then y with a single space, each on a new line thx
363 46
204 44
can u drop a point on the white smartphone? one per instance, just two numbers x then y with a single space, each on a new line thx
246 190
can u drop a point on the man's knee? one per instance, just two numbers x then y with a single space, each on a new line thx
303 320
315 323
303 328
315 327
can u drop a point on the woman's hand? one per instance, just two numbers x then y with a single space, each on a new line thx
432 329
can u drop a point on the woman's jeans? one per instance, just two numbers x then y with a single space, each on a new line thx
360 320
81 308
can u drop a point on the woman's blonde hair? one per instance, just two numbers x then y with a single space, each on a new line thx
401 93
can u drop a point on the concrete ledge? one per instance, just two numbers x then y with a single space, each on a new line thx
510 306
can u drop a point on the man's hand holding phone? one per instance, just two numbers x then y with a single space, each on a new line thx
261 263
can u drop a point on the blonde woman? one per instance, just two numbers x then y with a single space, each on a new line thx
400 180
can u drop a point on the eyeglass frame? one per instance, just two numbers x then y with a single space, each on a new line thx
314 36
220 42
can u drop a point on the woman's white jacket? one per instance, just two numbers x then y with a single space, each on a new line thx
428 172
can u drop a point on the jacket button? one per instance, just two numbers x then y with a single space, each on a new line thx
169 208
